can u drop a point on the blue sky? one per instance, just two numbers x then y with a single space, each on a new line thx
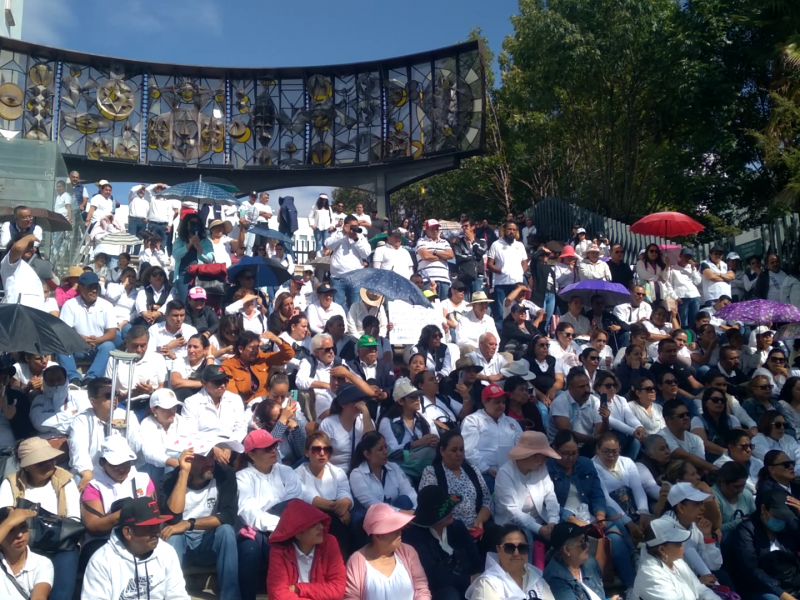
262 33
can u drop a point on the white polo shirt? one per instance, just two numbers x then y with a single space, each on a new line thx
21 283
89 320
508 258
159 336
712 290
581 418
150 369
491 366
318 316
160 211
37 569
227 421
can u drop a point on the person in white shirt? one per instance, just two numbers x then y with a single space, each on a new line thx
363 218
592 268
320 219
224 246
376 480
152 299
161 213
438 357
622 420
138 208
63 201
682 443
489 359
393 257
403 426
314 374
581 243
96 321
53 411
349 249
369 303
149 370
348 422
162 429
153 253
337 217
489 433
576 318
636 310
716 277
22 223
508 260
247 307
21 283
122 297
474 323
320 311
684 279
101 204
26 575
433 253
579 411
295 288
169 337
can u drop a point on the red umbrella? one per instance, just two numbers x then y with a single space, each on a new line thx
666 224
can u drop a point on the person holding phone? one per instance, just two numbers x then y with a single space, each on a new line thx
278 413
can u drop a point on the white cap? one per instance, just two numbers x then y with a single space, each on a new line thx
733 256
115 450
403 387
762 329
102 182
324 196
685 491
202 444
667 532
164 398
580 230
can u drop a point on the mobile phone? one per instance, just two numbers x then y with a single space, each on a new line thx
604 399
179 335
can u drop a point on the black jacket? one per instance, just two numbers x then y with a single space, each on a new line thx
762 285
205 320
384 378
540 273
469 258
227 495
620 273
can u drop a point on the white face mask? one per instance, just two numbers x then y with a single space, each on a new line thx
58 392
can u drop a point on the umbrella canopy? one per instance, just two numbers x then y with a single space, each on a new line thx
268 271
381 237
449 225
788 332
122 238
666 224
612 293
46 219
199 191
759 311
389 284
25 329
222 184
272 234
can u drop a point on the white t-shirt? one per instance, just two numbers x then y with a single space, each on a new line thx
364 217
394 259
508 258
102 207
61 204
712 290
343 441
201 503
222 251
21 283
581 418
46 497
693 444
37 569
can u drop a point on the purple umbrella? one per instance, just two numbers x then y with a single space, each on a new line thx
612 293
759 311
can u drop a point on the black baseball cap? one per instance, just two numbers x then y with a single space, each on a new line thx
297 279
324 289
775 502
141 511
88 279
458 285
515 308
565 531
214 373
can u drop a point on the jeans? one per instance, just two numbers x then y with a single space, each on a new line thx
216 546
621 548
253 558
477 286
501 292
65 567
249 242
135 225
112 262
489 482
629 445
687 311
160 229
181 287
319 240
345 295
99 360
549 308
442 289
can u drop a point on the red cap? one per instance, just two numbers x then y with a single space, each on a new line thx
491 391
431 224
260 438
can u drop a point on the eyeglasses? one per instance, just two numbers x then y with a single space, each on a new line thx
639 294
436 335
779 424
521 548
593 358
789 464
745 446
568 454
669 381
683 415
608 452
271 449
648 389
609 386
584 543
327 349
567 334
261 249
545 345
320 449
717 400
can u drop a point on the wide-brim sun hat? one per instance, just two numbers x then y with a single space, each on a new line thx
382 518
567 252
530 443
517 369
478 298
36 450
227 226
374 302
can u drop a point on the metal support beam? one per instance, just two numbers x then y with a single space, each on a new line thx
382 196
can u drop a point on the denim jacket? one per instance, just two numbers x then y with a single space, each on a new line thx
585 479
565 587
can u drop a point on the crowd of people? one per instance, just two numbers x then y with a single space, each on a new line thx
528 445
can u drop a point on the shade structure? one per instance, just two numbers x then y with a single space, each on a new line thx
666 224
26 329
612 293
761 312
387 283
46 219
268 271
199 191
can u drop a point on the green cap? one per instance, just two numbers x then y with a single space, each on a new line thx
367 340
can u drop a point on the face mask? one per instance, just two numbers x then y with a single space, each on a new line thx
775 525
55 392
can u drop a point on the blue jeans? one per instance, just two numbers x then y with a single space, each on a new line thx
65 566
621 548
99 360
442 289
489 482
477 285
181 287
216 546
501 292
344 294
549 308
136 225
687 311
629 445
253 557
319 239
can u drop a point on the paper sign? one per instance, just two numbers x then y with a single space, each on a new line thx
409 320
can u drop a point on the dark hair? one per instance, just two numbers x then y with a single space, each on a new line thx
277 376
124 255
563 326
786 390
670 406
370 321
701 315
736 434
418 378
563 437
764 425
678 332
574 373
730 472
770 459
426 334
350 219
722 424
127 270
631 347
203 340
507 530
705 328
586 352
658 262
637 386
637 329
714 374
608 436
666 342
228 323
95 385
727 349
444 441
333 319
295 320
512 383
183 228
322 203
137 331
175 305
367 443
245 339
603 375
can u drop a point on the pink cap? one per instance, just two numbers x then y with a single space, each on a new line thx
197 292
259 438
382 518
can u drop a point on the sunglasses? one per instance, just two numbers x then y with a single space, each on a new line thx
648 389
670 381
545 345
320 449
779 424
780 361
745 446
509 548
717 400
639 294
609 386
569 335
327 349
683 415
789 464
593 358
436 335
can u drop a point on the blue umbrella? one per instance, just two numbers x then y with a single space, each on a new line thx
199 191
273 234
389 284
612 293
268 271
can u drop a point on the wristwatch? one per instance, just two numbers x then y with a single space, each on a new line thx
191 524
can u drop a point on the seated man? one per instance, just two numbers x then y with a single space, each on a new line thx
579 410
368 304
201 497
199 315
474 323
377 373
320 311
487 357
730 366
53 411
668 361
169 337
314 374
96 321
683 444
89 430
149 370
607 321
135 537
635 311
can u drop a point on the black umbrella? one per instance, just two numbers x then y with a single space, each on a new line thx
46 219
26 329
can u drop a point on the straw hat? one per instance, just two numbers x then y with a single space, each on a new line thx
371 298
73 273
479 297
530 443
227 226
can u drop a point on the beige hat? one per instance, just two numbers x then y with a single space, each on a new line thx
479 297
36 450
371 298
74 271
530 443
227 226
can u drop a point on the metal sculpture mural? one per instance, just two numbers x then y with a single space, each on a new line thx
378 113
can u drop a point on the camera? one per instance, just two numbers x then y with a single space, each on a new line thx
356 229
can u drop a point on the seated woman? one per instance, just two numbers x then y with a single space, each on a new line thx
715 379
638 336
443 410
437 354
642 402
283 311
27 575
249 367
344 346
405 429
264 486
714 424
28 373
524 491
521 405
184 379
663 574
152 299
118 479
349 420
760 401
246 280
582 500
778 473
122 296
652 467
374 479
736 502
446 550
539 362
623 422
297 336
162 429
508 573
740 450
775 369
572 571
518 330
302 538
41 482
772 435
681 471
385 568
245 308
328 485
706 354
279 414
632 368
224 341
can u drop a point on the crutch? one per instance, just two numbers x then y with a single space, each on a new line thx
119 356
